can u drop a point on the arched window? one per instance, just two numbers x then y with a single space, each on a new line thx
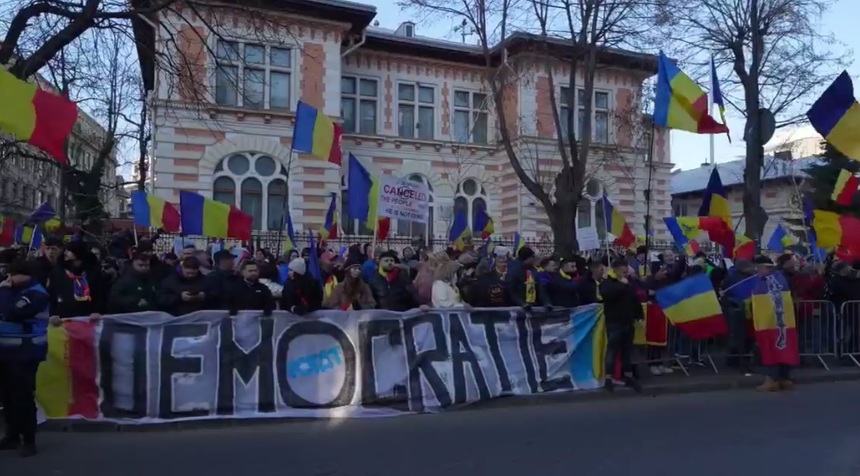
262 187
471 197
411 228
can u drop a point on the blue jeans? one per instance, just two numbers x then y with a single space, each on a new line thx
779 372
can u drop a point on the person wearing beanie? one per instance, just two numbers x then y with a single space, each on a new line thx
391 286
621 308
351 294
524 286
76 288
302 293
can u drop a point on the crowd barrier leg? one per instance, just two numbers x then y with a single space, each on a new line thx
816 324
849 341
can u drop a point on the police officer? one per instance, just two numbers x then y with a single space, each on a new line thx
23 345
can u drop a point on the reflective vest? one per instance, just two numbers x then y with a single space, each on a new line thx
30 336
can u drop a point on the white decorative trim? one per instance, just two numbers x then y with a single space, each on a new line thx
250 144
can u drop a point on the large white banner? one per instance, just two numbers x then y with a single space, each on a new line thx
153 367
403 199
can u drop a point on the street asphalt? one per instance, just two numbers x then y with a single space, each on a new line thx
812 431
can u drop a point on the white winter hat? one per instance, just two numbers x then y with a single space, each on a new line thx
298 266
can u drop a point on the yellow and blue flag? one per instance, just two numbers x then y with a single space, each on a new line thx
680 103
779 240
459 233
483 223
692 306
717 96
588 342
519 243
836 116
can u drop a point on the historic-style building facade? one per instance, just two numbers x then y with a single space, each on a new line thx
410 106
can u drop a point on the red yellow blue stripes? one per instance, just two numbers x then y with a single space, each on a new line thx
66 384
329 229
363 190
680 103
151 211
774 321
846 187
692 306
617 225
212 219
316 134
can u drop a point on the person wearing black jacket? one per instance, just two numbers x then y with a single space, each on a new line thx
222 280
135 291
563 287
524 287
75 288
392 289
184 292
489 289
589 284
44 266
302 293
621 308
250 294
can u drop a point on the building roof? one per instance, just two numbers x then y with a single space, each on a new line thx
732 173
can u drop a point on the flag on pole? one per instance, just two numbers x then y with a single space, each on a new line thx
717 96
680 103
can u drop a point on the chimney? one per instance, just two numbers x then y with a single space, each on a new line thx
406 29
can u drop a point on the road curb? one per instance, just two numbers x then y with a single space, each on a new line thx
676 388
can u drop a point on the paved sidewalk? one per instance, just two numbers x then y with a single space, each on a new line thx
700 380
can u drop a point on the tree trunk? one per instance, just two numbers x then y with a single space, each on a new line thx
562 216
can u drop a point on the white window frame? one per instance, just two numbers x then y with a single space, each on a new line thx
680 207
472 112
416 105
358 97
580 106
266 67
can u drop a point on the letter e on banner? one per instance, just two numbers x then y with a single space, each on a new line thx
403 199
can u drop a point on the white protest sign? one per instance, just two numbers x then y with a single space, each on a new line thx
587 238
403 199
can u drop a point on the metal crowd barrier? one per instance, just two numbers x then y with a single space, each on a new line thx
821 335
849 331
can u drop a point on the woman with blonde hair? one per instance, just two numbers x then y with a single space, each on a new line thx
445 293
425 276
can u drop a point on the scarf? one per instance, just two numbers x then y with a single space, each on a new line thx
80 287
564 275
390 276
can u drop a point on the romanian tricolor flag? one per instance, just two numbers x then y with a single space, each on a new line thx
42 214
37 117
774 321
519 243
715 202
7 231
316 134
680 103
290 241
836 116
779 240
459 234
692 306
845 188
684 240
329 229
363 193
617 225
744 248
483 223
833 230
154 212
28 235
66 381
204 217
717 96
655 329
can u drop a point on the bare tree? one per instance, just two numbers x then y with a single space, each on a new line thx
794 59
569 35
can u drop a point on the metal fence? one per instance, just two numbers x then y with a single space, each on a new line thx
825 334
274 242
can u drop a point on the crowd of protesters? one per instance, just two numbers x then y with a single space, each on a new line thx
65 280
